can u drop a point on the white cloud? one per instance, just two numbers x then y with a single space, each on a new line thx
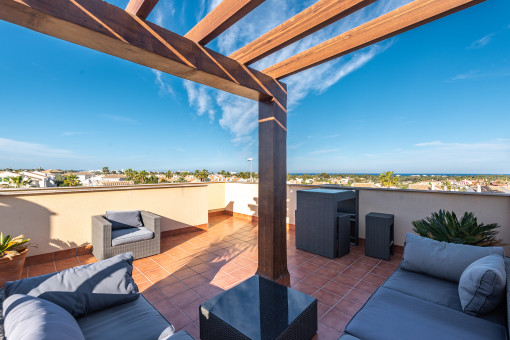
434 143
19 148
482 41
164 87
199 99
120 119
476 74
239 115
322 151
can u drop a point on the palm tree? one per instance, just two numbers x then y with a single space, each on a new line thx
72 181
106 170
388 179
19 182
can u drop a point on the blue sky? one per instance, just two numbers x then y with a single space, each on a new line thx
434 99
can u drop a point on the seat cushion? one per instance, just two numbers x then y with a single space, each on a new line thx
124 219
389 314
137 320
482 285
130 235
30 318
441 259
431 289
84 289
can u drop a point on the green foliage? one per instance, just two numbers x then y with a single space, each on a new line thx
444 226
202 175
106 170
19 182
388 179
10 246
71 181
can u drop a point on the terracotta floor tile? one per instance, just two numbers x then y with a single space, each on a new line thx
184 273
367 286
375 279
191 310
347 280
298 273
348 307
193 330
326 298
316 280
327 273
336 320
165 281
173 289
308 267
381 272
207 290
165 306
157 274
195 280
327 333
67 263
305 288
185 298
178 319
358 296
321 310
355 273
337 288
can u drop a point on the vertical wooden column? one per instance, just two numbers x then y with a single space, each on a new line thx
272 210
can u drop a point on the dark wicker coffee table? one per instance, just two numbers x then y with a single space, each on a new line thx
259 309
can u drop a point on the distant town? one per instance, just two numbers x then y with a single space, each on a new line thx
47 178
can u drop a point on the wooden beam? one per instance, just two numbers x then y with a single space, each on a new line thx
141 8
103 27
227 13
312 19
272 205
409 16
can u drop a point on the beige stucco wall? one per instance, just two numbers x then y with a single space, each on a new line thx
242 198
216 196
60 219
406 205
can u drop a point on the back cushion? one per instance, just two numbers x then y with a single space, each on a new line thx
29 318
441 259
84 289
124 219
482 285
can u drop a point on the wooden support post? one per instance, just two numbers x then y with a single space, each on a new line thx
272 263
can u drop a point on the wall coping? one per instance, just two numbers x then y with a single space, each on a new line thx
333 186
81 189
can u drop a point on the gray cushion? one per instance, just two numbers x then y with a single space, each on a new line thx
441 259
438 291
181 335
124 219
84 289
30 318
130 235
482 285
389 314
136 320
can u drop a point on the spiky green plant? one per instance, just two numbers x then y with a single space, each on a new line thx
11 246
445 226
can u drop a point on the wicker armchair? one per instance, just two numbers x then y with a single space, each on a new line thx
102 247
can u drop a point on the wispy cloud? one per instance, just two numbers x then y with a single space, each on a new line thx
434 143
164 87
199 99
482 41
239 115
20 148
73 133
120 119
322 151
476 74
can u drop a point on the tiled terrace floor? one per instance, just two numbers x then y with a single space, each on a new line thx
196 266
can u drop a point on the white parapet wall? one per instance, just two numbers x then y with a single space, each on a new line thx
60 218
405 205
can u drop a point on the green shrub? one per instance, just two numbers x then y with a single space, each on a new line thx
445 226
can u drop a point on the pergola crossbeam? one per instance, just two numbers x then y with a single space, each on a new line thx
312 19
409 16
141 8
227 13
109 29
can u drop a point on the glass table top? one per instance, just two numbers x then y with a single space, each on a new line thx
259 308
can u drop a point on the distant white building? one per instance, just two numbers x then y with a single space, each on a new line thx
39 179
5 177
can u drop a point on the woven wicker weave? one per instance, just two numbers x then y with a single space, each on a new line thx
102 238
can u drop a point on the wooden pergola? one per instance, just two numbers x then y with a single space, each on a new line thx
127 34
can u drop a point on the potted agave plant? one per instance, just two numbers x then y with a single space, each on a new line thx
13 251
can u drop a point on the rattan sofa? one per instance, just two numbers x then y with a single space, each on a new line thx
102 247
